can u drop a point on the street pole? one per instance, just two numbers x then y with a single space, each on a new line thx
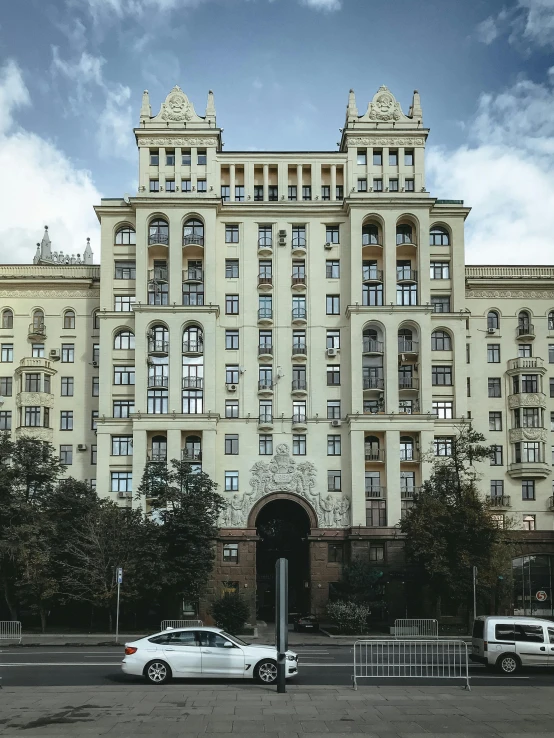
119 574
281 620
475 593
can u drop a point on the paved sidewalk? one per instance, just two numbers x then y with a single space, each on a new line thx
208 711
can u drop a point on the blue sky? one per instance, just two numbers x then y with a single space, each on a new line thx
72 73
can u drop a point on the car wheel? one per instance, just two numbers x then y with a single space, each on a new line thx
157 672
266 671
508 664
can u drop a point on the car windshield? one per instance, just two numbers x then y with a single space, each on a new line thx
234 639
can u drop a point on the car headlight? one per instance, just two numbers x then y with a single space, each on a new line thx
291 658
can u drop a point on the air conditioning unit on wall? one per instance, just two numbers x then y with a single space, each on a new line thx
332 352
231 387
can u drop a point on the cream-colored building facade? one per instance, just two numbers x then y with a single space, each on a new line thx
302 326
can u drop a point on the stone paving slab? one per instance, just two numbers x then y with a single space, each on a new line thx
201 711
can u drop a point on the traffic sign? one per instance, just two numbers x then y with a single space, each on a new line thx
541 595
120 575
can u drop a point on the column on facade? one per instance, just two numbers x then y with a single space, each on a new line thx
391 366
209 454
392 470
175 257
103 453
141 260
389 258
426 447
283 179
358 509
140 450
175 401
193 167
333 182
173 444
266 182
232 180
249 180
316 180
142 320
424 362
299 181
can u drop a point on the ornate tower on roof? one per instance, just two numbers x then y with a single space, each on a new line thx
177 128
386 128
45 256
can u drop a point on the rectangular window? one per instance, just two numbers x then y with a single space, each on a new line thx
524 351
333 409
493 353
231 268
258 193
154 157
202 157
154 185
230 553
125 270
408 157
272 193
186 159
551 386
266 444
334 481
335 553
231 444
298 444
5 420
306 192
393 158
362 185
332 305
496 456
377 185
528 489
494 387
443 409
376 516
340 192
529 523
293 192
377 158
66 455
231 408
6 385
32 382
333 445
67 386
333 375
362 157
231 304
94 420
170 157
497 488
440 304
231 481
225 193
409 185
123 408
201 185
332 234
96 386
239 193
124 375
7 352
37 351
440 270
121 481
32 417
376 551
495 421
332 269
231 339
170 185
123 303
186 185
442 446
231 374
231 233
333 339
66 420
325 192
393 185
299 236
441 375
68 353
122 445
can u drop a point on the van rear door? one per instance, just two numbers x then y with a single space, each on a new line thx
532 646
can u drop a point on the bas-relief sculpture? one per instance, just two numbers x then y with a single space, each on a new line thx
284 474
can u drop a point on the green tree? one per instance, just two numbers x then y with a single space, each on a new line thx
450 527
186 504
362 583
230 612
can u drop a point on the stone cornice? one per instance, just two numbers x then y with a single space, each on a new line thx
184 309
377 309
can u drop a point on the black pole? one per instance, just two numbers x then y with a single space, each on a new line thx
281 620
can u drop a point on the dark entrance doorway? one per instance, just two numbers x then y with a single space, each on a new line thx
283 527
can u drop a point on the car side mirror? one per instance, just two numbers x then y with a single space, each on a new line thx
228 644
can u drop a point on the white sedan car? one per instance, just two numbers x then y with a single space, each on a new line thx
202 652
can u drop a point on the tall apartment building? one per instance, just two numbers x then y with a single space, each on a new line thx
302 326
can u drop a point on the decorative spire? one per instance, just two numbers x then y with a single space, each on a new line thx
37 255
415 110
46 245
145 110
87 253
210 108
351 110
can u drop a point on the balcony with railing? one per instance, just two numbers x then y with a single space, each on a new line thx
265 246
158 274
193 239
374 455
193 347
299 421
298 283
265 316
502 501
265 421
193 274
406 275
299 386
372 346
373 383
156 457
192 455
407 346
299 315
193 383
158 381
525 331
298 245
299 351
372 275
410 408
158 347
375 491
265 387
265 284
37 331
158 237
409 493
265 351
406 384
526 364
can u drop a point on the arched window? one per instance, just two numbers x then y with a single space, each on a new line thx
193 449
493 320
158 339
126 236
69 319
551 320
193 339
38 319
158 232
193 232
523 321
406 343
96 320
370 234
441 341
407 447
404 234
7 318
439 236
371 449
124 340
159 448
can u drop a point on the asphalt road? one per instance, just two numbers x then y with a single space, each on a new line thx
100 666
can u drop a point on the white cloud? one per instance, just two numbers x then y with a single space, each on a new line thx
506 174
487 30
43 185
325 5
528 22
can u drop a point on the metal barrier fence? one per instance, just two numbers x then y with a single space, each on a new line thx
180 624
422 659
416 628
10 630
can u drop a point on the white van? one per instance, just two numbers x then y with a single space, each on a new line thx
508 643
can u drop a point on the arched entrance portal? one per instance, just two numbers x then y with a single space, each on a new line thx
283 527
